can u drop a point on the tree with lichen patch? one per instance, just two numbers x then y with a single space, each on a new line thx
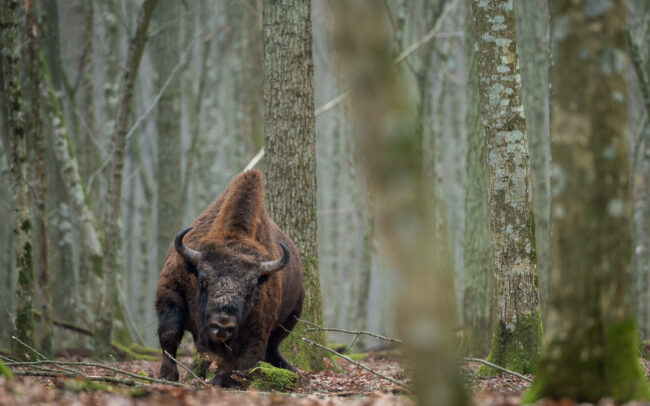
10 41
590 343
290 154
40 181
517 327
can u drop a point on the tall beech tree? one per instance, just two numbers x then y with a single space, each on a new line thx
590 343
112 238
10 43
517 330
290 154
477 298
408 223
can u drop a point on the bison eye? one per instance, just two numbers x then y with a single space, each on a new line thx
203 281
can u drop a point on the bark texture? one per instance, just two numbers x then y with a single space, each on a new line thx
39 182
112 243
290 153
10 41
477 298
534 54
517 330
590 345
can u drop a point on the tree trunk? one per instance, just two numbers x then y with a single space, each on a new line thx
477 298
517 330
166 48
290 148
40 182
409 226
10 41
112 239
590 346
534 50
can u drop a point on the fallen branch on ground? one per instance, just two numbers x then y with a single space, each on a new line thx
54 374
92 364
500 368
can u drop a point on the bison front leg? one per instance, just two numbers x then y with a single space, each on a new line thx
251 354
171 321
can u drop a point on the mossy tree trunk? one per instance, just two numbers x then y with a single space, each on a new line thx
534 51
40 182
407 222
590 343
10 44
290 154
517 327
103 329
477 298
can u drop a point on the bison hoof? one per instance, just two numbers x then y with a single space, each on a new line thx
222 380
168 373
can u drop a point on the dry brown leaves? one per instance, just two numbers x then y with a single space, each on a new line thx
352 386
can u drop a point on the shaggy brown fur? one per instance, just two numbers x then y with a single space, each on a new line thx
233 235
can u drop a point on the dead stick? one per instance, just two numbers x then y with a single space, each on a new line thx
96 365
186 368
500 368
360 365
54 374
355 332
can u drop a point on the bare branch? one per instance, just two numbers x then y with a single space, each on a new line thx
316 327
203 382
500 368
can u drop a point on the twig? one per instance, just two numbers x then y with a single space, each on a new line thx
430 34
360 365
96 365
186 368
54 374
33 349
500 368
338 99
316 327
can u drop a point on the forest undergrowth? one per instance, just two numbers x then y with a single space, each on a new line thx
340 383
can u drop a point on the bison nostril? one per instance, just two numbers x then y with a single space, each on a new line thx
222 325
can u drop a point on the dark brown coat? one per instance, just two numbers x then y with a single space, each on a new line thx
233 235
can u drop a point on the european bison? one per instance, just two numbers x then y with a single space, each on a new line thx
234 280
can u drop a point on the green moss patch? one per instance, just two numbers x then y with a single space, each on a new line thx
267 378
4 371
515 347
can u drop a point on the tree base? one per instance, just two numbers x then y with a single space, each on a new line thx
614 372
515 347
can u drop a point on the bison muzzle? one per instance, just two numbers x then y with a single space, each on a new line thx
234 280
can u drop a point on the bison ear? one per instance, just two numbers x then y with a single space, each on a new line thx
243 205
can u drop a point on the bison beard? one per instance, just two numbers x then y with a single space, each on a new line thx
234 280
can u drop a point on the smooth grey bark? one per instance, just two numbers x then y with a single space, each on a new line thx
408 223
477 297
112 238
166 48
290 154
590 343
517 330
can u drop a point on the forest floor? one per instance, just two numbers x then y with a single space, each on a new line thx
351 385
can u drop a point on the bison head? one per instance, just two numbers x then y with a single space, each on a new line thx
227 277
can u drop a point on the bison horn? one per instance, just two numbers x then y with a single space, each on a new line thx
188 254
268 267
